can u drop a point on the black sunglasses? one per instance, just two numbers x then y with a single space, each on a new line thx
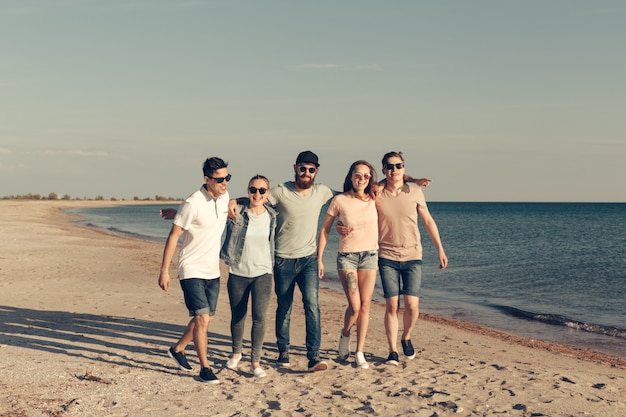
222 179
392 166
304 169
261 190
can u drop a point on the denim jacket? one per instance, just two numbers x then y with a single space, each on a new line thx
232 248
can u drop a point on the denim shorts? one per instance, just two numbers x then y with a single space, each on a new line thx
200 295
354 261
400 277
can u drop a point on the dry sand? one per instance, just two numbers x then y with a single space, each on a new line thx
84 329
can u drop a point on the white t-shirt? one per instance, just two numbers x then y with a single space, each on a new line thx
203 218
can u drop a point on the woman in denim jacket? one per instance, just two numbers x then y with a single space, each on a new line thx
248 250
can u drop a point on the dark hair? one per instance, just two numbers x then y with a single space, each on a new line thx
347 184
259 177
391 155
212 164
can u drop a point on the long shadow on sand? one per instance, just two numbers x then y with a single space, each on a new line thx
116 340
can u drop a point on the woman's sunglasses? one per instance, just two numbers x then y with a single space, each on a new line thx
253 190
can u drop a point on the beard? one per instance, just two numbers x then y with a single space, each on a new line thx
304 182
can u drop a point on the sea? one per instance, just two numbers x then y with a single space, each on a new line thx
549 271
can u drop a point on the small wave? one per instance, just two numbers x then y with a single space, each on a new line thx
558 320
133 235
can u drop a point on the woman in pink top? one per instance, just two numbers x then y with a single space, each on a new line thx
357 255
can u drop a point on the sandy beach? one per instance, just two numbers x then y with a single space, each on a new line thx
84 330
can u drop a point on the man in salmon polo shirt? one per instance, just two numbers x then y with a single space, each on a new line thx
399 204
200 220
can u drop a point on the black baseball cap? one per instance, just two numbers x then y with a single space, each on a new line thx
307 157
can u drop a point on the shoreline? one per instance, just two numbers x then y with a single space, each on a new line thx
82 317
549 346
523 339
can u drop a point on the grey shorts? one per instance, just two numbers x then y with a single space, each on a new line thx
200 295
354 261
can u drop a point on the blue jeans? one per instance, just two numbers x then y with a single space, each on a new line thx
288 273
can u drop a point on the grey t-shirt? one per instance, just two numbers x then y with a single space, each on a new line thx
298 217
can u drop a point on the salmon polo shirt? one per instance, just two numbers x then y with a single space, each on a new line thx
399 236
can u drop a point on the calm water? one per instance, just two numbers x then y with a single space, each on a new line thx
550 271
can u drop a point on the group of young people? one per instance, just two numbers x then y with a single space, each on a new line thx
274 231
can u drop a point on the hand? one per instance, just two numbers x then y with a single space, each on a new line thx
443 260
320 269
232 209
422 182
376 188
168 213
164 281
342 230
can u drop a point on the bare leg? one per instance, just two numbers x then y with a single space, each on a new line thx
367 281
411 314
350 284
391 322
186 338
200 338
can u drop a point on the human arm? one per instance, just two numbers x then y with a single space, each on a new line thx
342 229
168 213
433 232
168 253
322 239
422 182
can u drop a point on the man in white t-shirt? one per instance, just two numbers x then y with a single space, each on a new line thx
200 221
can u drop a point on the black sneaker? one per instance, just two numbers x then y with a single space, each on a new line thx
392 359
407 347
180 359
317 365
207 375
283 359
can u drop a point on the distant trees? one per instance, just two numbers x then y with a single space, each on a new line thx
55 196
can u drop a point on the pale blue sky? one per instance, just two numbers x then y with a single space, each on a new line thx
493 100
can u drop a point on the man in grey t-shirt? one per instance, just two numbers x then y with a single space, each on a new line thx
299 203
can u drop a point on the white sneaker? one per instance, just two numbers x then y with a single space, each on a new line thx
344 347
360 361
259 372
233 362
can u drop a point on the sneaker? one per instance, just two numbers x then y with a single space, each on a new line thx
344 347
180 359
360 361
207 375
392 359
407 347
317 365
283 359
233 362
259 372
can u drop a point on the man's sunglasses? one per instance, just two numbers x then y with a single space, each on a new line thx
392 166
253 190
222 179
310 169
